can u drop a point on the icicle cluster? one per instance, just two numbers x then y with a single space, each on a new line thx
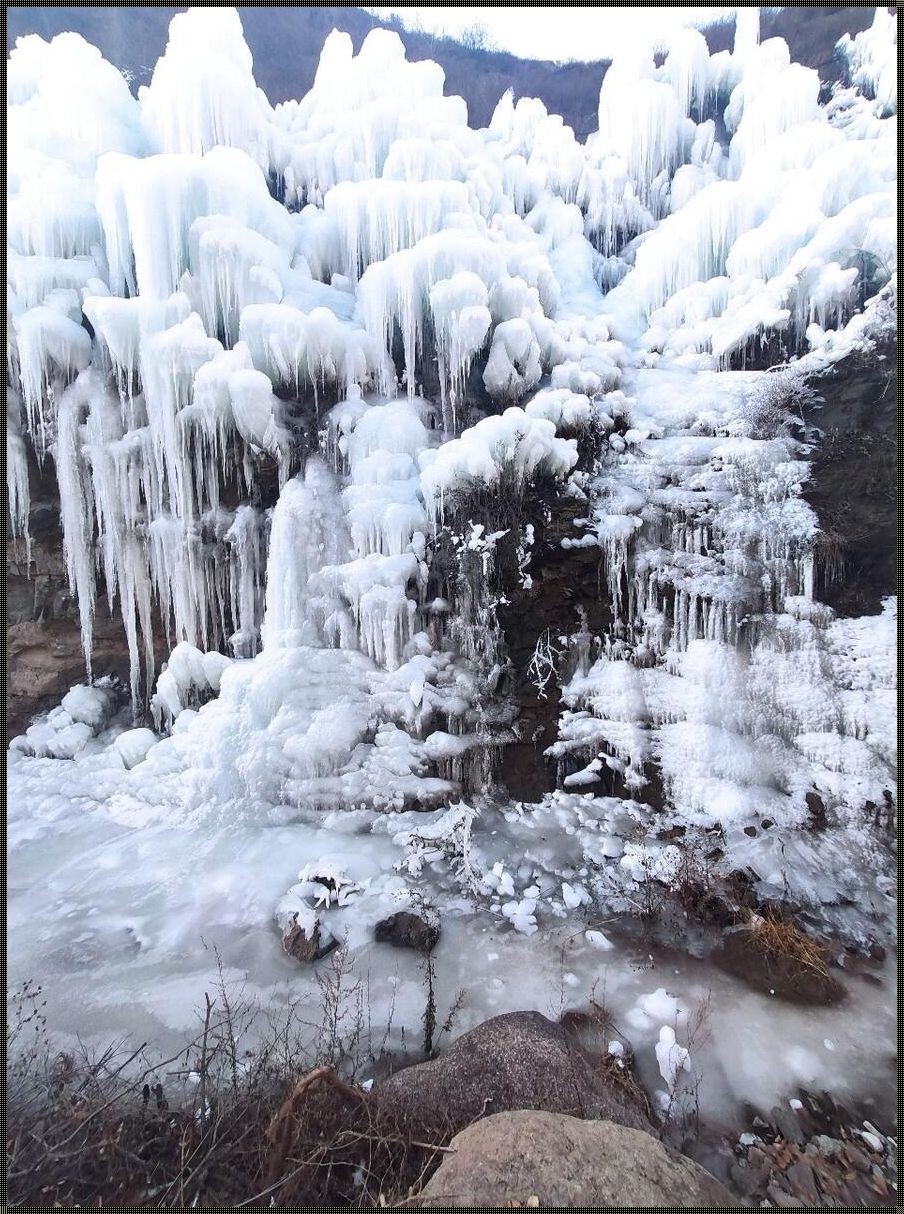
261 347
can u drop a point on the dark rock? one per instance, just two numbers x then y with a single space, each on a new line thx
856 1158
307 948
852 483
519 1060
554 1161
673 832
876 951
817 810
747 1180
779 1197
751 831
787 1124
757 1159
717 909
767 824
404 930
802 1181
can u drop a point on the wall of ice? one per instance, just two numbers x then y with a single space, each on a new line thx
270 354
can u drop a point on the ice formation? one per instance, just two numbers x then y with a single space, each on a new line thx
303 372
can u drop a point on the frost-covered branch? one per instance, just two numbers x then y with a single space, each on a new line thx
543 666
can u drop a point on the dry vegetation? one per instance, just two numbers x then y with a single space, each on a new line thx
780 937
280 1124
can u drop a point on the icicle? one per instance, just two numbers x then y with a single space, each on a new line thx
17 473
76 507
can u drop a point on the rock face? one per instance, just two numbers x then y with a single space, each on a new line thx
853 482
44 648
404 930
519 1060
562 1161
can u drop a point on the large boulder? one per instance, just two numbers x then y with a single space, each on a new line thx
551 1160
519 1060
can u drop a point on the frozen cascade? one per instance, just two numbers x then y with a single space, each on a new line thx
300 369
308 531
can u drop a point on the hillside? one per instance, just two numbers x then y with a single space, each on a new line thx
286 44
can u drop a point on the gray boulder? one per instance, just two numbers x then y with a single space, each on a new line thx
519 1060
546 1159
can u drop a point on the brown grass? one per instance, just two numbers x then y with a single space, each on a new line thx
780 937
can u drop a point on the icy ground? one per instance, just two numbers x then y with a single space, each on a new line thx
304 376
120 922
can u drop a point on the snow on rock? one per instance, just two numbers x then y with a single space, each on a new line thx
365 237
89 705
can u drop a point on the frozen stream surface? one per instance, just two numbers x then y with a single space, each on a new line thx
120 921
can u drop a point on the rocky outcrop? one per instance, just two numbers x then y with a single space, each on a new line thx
814 1152
853 482
519 1060
549 1160
44 648
43 636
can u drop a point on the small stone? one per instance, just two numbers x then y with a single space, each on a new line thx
787 1124
827 1146
873 1141
757 1158
306 947
779 1197
803 1182
857 1158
